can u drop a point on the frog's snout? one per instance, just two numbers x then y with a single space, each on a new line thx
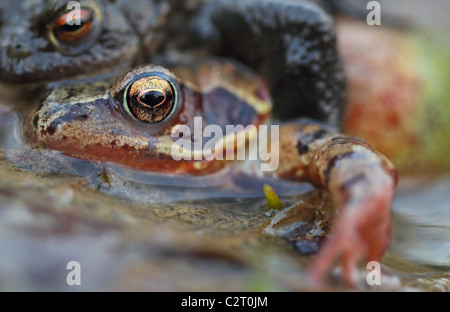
38 127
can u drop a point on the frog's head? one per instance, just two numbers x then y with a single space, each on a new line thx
48 40
136 120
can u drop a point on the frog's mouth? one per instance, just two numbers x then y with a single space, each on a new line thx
223 146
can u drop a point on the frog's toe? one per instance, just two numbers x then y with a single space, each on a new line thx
344 242
360 233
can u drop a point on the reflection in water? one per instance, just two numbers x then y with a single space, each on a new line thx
8 122
422 222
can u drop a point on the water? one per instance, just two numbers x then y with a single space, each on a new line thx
422 222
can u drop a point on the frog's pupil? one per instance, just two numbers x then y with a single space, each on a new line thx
71 28
152 98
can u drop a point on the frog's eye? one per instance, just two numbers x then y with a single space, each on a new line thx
151 99
73 26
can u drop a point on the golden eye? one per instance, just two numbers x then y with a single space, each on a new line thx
72 27
150 99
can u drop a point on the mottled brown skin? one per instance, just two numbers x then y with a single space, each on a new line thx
92 124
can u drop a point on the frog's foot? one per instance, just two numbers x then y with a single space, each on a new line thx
359 233
363 183
360 180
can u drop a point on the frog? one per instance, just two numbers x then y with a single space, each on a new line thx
55 40
41 45
302 56
133 121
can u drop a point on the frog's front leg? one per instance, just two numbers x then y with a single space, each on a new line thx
361 181
292 44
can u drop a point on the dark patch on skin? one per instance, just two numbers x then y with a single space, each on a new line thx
333 162
126 146
52 128
302 148
347 184
306 139
76 112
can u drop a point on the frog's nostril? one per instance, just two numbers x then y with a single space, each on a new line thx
19 49
36 121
